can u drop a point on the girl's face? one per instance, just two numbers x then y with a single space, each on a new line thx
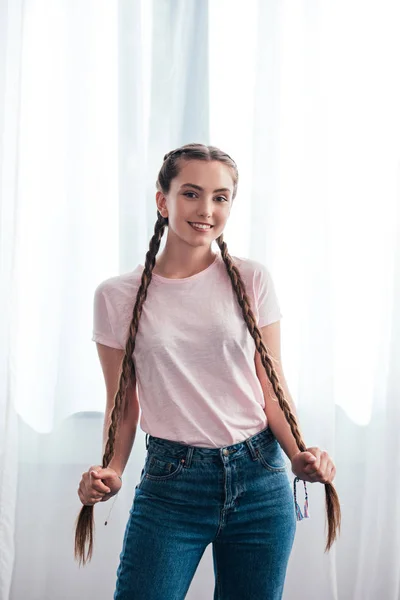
201 193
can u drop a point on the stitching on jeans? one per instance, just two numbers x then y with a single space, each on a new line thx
268 466
161 478
217 577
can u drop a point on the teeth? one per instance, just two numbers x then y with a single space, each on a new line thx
201 226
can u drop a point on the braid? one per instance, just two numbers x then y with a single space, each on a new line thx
85 520
331 497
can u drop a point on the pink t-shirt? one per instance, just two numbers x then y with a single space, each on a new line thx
194 356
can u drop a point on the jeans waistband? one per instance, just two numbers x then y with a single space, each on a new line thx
188 452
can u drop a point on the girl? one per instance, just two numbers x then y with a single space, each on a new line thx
195 341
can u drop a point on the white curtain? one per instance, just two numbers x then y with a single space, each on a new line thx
304 96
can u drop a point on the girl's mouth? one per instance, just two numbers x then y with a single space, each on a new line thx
200 229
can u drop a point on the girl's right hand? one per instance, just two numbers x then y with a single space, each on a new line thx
98 485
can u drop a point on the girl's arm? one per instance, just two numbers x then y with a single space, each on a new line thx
110 359
271 335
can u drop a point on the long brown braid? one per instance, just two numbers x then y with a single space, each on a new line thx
169 170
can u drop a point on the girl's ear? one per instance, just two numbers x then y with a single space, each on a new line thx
161 203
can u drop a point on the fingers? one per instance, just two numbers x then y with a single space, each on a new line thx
321 470
97 485
329 473
332 473
323 466
92 479
101 473
91 489
95 495
87 501
312 466
325 472
89 497
311 469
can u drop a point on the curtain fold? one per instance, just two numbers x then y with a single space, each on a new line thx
304 97
11 15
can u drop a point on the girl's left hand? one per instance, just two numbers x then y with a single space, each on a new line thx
313 465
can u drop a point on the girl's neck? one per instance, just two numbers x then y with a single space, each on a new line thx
182 266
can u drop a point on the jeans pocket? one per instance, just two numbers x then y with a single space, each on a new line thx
160 468
271 457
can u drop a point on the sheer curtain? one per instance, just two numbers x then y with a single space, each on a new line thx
304 97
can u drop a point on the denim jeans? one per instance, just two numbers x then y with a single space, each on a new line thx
238 498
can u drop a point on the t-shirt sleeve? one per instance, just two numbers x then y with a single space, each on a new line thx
266 297
102 328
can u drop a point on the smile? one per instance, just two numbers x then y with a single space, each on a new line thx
198 227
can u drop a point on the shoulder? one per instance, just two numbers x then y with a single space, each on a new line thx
122 281
119 291
252 269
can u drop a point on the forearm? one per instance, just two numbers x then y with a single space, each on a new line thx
126 433
278 423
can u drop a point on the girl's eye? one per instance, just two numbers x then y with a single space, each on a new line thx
193 194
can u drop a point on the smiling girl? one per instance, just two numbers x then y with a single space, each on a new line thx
193 338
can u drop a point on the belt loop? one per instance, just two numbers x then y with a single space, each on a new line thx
188 459
251 449
147 441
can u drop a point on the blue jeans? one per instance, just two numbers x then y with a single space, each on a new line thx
238 498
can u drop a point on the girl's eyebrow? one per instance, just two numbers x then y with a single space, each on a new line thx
198 187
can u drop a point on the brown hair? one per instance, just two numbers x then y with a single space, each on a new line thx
169 170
